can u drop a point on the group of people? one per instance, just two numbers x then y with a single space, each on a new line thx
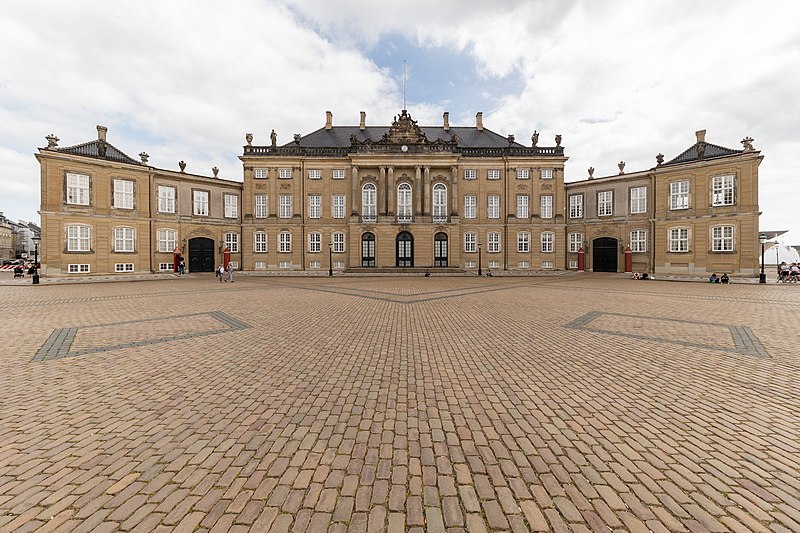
713 278
221 270
788 273
642 275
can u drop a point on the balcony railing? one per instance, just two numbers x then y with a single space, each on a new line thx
369 218
404 219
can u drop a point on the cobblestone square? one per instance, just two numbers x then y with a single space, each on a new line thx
313 404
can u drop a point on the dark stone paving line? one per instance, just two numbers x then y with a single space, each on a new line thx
399 299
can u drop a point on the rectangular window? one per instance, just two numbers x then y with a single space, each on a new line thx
470 205
639 240
166 199
260 242
547 265
123 239
284 242
285 206
575 206
493 240
523 265
314 265
231 206
200 203
546 206
77 189
679 195
260 173
232 242
338 174
314 206
546 173
338 206
470 242
722 191
262 206
338 265
605 203
493 175
285 264
469 264
575 242
638 200
494 264
123 194
522 206
78 238
523 241
167 240
547 241
123 267
523 173
78 269
493 210
314 242
679 240
284 173
338 243
166 266
573 264
314 174
470 174
722 239
261 265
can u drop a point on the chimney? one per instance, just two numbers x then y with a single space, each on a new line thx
479 121
446 117
362 125
328 120
101 133
701 136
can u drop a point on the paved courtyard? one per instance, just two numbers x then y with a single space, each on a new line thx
557 403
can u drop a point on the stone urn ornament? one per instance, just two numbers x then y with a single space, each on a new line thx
621 166
249 138
558 140
215 170
182 165
591 173
52 141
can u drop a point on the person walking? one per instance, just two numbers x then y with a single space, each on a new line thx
230 273
220 273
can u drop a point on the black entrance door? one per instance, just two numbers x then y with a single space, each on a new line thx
368 250
201 255
440 250
604 254
405 249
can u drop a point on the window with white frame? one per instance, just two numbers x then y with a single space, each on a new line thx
469 264
493 206
638 200
285 204
261 265
314 206
166 266
314 174
439 202
284 173
493 175
523 241
547 265
575 242
338 243
523 173
338 265
123 240
337 205
638 240
404 202
260 241
77 189
546 173
200 203
546 201
470 174
166 199
605 203
548 238
262 206
284 242
494 264
123 267
470 242
679 240
470 205
78 269
231 205
123 194
368 202
79 238
493 242
575 206
722 239
284 264
522 265
314 242
522 206
167 240
232 242
679 195
315 265
260 173
722 190
573 264
338 174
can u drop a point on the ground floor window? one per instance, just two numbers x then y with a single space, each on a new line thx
493 242
638 240
166 266
523 265
338 243
123 267
679 240
722 239
285 242
575 242
547 242
78 269
261 265
314 242
523 241
547 264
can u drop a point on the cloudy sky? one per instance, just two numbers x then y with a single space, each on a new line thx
186 79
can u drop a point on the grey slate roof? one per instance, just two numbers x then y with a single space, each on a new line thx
693 154
92 149
339 136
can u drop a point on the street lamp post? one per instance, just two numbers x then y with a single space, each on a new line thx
480 273
36 260
330 258
762 277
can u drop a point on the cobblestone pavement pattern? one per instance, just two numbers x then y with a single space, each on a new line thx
400 404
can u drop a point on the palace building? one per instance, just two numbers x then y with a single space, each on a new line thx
399 197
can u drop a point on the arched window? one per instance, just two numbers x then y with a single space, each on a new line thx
369 211
404 203
440 202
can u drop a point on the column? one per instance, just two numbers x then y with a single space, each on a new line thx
426 187
381 208
454 191
355 201
391 194
418 191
